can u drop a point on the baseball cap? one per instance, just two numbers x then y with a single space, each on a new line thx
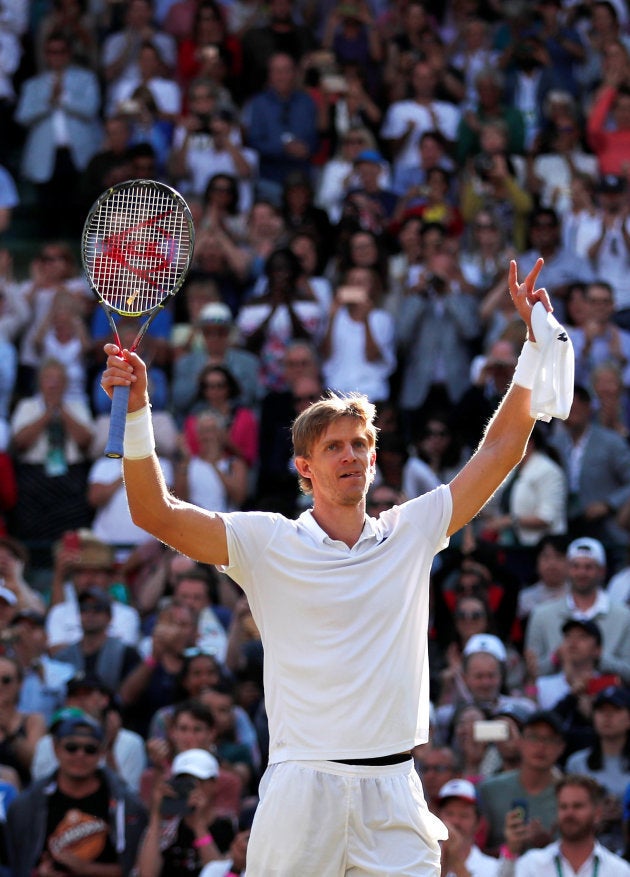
370 155
590 627
587 547
85 682
7 594
615 695
545 717
516 711
80 726
486 642
215 313
197 763
458 788
611 184
98 596
31 615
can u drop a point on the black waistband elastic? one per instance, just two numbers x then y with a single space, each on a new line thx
398 758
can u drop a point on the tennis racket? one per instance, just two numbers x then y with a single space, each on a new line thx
136 248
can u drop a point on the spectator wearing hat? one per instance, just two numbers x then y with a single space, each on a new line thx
482 678
577 850
13 562
533 782
370 203
97 652
578 655
124 750
216 324
44 679
184 832
599 476
459 809
79 567
42 823
586 600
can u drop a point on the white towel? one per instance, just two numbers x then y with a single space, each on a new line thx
552 393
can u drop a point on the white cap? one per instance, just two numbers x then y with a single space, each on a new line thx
215 313
196 763
486 642
463 789
587 547
7 595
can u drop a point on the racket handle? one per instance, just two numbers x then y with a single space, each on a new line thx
117 420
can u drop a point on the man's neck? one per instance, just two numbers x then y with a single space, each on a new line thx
78 788
577 852
585 601
534 780
613 746
93 642
344 524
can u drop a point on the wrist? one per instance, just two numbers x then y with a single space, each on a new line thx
151 662
139 441
204 841
527 366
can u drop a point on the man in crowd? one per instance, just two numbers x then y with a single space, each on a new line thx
586 600
533 783
577 851
42 822
459 810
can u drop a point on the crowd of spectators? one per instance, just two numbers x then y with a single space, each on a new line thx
360 174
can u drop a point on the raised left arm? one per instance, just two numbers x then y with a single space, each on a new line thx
505 439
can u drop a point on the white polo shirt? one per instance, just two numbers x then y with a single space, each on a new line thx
602 862
344 629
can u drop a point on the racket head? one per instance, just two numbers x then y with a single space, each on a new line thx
137 246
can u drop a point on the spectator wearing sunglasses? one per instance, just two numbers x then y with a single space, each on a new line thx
81 817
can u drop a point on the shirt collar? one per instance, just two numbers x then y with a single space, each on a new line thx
371 530
601 606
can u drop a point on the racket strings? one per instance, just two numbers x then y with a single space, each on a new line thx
137 248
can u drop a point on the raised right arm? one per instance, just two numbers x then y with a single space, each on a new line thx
193 531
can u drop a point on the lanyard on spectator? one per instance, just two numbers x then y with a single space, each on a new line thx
559 866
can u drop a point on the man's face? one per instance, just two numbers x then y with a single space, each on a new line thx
341 463
83 579
585 575
579 647
552 566
78 756
282 74
188 732
436 767
192 593
95 618
222 707
483 677
462 815
540 747
577 815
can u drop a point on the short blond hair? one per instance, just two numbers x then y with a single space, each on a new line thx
312 423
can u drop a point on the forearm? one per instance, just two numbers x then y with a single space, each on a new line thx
150 860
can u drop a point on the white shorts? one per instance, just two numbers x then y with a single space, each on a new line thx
323 819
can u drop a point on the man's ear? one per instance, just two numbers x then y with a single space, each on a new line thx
303 466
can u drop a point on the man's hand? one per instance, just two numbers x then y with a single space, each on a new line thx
126 369
525 294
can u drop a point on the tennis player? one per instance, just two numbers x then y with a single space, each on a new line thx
341 601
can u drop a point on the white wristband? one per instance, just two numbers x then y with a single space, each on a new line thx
139 441
527 366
